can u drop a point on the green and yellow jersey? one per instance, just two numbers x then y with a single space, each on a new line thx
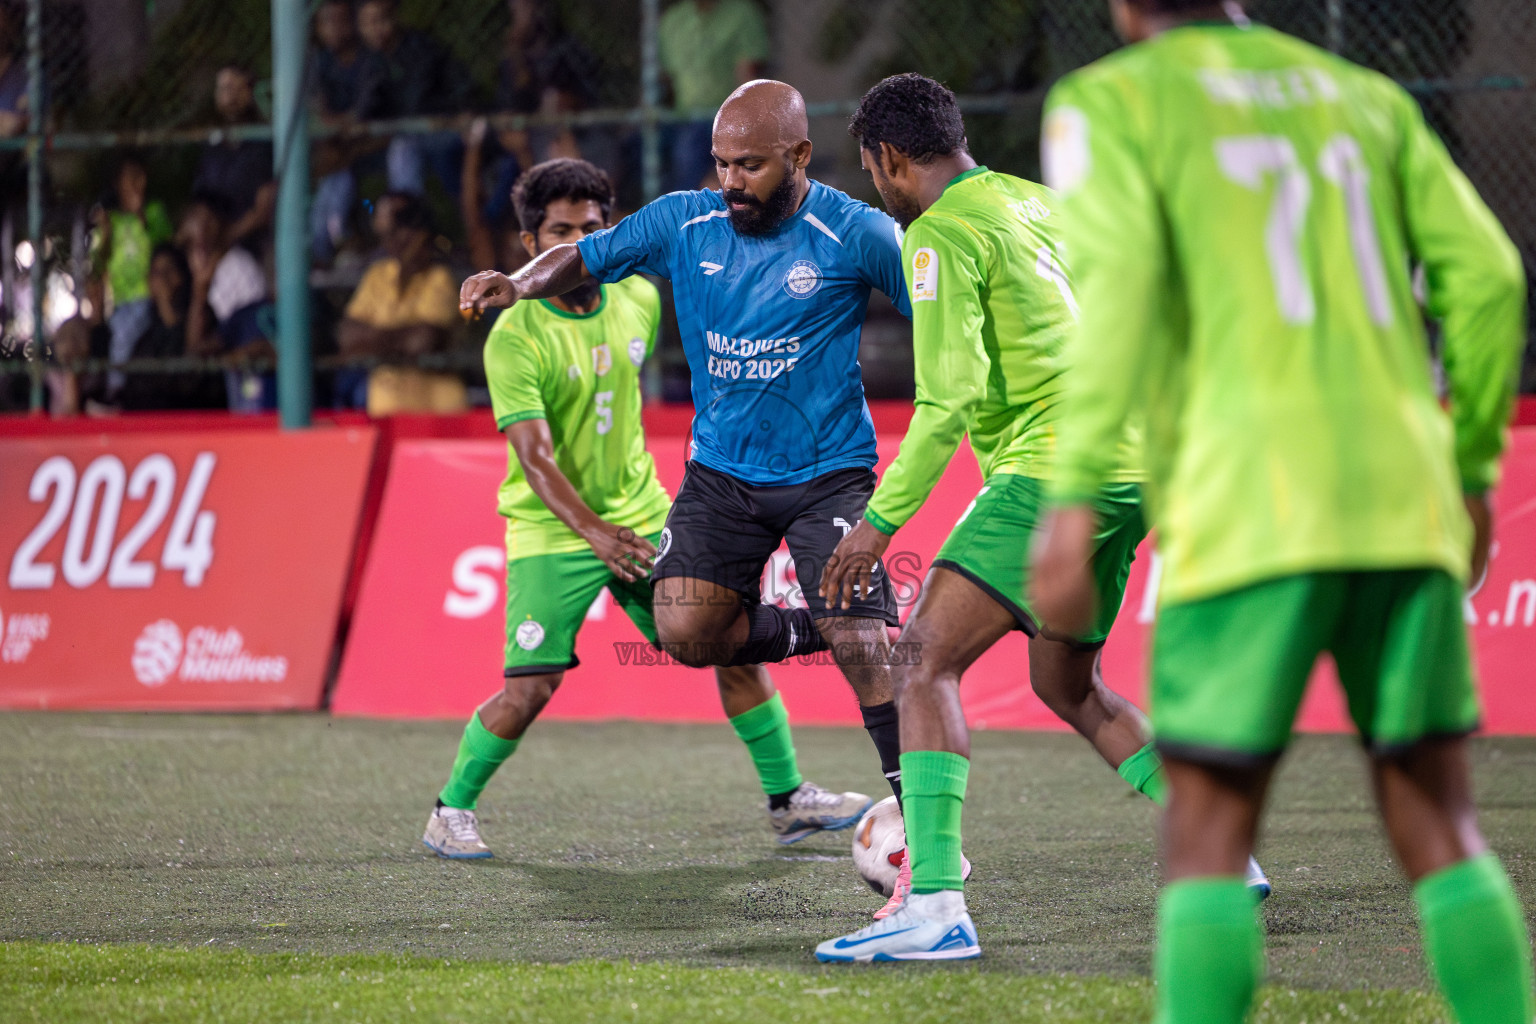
581 373
991 311
1241 212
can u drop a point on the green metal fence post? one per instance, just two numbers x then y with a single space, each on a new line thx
650 142
35 112
1335 37
650 99
290 155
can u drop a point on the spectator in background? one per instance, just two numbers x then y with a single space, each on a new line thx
406 306
407 73
230 312
334 90
239 174
71 392
490 227
708 48
170 289
542 71
125 237
13 72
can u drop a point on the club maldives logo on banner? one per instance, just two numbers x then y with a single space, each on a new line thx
177 570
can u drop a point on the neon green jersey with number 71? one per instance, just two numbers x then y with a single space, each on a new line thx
1241 212
581 373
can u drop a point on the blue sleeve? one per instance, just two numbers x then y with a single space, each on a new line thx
875 245
641 242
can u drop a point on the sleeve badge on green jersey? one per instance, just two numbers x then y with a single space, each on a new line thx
1064 153
637 350
925 275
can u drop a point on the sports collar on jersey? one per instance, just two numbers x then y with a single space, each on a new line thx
802 212
963 175
602 303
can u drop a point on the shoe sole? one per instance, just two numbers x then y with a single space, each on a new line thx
836 825
962 953
457 856
1262 888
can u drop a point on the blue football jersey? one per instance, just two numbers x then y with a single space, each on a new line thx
770 324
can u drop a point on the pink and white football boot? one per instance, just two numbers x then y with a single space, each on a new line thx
904 884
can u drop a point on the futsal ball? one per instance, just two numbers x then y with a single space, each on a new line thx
879 840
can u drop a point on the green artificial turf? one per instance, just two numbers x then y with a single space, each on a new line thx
54 982
300 834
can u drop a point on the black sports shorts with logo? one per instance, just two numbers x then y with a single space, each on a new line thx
723 531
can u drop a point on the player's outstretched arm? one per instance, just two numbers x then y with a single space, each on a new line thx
553 272
626 553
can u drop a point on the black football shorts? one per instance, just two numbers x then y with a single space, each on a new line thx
723 531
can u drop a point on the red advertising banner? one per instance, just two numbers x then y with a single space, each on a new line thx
427 636
175 571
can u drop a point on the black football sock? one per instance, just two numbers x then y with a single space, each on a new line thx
779 801
776 634
881 723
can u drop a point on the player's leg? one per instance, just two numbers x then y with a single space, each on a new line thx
1066 672
1210 951
1403 660
954 623
814 519
796 808
707 580
1228 675
547 600
1473 928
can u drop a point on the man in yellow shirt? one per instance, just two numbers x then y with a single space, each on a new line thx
405 306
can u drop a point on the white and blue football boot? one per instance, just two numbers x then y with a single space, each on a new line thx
1257 880
454 834
929 926
813 809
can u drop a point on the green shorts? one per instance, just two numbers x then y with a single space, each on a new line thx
1229 672
547 601
990 546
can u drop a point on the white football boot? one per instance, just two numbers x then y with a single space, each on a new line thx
813 809
455 834
904 885
928 926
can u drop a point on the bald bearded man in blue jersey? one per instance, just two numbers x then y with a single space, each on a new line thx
771 277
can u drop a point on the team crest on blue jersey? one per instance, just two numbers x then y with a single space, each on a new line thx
803 280
637 350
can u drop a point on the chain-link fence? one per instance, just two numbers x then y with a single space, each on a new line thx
143 77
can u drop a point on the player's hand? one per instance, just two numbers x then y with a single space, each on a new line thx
627 555
1481 511
852 565
1061 590
486 290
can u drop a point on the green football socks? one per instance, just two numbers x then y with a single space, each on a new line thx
480 754
1210 951
765 731
1143 771
932 796
1475 938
